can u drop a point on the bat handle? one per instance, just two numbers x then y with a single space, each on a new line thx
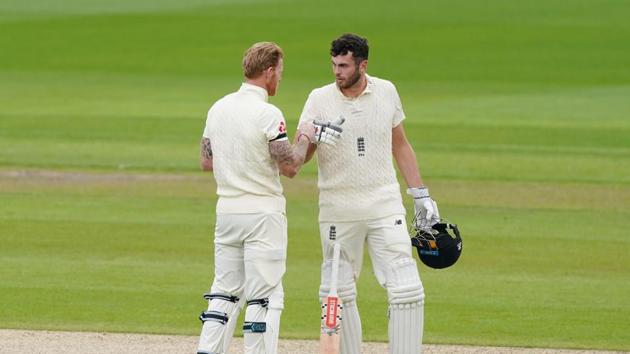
335 267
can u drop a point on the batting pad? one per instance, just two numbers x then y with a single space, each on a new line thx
351 332
264 342
216 335
403 282
406 307
406 322
346 287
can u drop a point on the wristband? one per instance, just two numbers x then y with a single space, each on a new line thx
418 192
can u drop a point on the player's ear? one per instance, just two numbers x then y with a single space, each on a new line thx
267 74
363 66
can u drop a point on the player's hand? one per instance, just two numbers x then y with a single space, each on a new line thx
328 133
425 208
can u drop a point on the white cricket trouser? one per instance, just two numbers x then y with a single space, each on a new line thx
249 262
389 247
252 247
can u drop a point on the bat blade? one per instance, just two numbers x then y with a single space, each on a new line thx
331 325
331 313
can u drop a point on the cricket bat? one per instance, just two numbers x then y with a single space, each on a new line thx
331 311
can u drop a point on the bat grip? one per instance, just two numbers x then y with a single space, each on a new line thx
334 276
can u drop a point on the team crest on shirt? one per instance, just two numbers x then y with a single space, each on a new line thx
282 128
361 146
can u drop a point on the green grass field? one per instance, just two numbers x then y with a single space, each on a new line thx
519 113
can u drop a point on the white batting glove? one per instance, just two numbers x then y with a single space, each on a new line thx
328 133
425 208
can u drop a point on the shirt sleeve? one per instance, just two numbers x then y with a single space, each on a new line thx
206 130
399 114
274 126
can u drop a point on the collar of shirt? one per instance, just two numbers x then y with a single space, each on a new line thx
368 89
257 90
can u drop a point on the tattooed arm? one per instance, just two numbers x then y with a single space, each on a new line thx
205 159
290 158
310 151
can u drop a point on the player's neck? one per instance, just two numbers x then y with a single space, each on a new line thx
357 89
259 81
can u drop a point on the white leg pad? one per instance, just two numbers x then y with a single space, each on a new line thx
346 288
351 331
264 342
406 322
406 307
216 333
403 282
273 328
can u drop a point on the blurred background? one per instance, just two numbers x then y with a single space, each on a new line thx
519 113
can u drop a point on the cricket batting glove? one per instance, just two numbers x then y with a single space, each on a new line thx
328 133
425 208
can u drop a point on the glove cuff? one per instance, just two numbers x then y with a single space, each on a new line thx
418 192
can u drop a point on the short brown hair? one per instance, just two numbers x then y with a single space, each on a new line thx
350 42
260 57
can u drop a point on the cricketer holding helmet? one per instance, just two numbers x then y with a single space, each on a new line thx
245 144
359 195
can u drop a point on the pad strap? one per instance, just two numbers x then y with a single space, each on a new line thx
215 316
262 302
254 327
225 297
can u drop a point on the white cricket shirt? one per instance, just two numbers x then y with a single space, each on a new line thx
240 127
357 179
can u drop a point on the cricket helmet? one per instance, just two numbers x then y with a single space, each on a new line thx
438 247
